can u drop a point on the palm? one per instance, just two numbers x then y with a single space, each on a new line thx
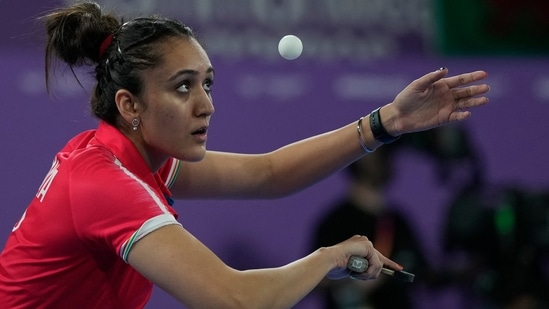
433 101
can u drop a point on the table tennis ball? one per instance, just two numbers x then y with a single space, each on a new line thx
290 47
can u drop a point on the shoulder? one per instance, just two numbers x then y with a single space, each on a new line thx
79 151
79 141
90 169
90 160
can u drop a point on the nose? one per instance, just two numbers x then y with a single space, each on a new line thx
204 105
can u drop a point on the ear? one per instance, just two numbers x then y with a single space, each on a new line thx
127 104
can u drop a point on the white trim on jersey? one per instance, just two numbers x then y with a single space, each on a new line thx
172 175
150 225
145 186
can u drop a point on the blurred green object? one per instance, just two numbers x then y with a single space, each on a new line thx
492 27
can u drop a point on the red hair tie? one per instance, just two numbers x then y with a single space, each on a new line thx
106 43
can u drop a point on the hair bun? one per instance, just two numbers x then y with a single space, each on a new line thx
75 33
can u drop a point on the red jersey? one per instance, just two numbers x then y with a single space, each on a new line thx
70 247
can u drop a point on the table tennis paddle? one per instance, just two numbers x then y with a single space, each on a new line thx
359 264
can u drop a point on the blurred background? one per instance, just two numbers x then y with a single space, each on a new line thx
474 193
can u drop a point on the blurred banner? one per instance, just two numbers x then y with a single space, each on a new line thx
330 29
494 27
356 30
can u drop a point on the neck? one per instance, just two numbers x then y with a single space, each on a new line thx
153 158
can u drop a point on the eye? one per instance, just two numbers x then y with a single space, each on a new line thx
208 85
184 87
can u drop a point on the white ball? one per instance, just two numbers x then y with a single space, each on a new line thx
290 47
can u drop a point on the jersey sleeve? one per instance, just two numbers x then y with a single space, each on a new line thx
112 208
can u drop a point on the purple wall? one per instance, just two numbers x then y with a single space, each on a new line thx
261 105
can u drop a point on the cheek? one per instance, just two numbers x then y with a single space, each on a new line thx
157 123
171 121
164 115
162 130
167 116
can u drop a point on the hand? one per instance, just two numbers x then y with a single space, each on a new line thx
362 246
434 100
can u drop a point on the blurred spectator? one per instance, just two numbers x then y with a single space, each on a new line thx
501 236
365 210
496 238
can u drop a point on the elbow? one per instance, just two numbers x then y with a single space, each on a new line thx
275 186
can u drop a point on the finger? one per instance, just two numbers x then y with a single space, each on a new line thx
390 263
428 79
470 91
457 105
461 113
376 263
466 78
459 116
466 103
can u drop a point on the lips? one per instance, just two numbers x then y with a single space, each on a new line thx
201 131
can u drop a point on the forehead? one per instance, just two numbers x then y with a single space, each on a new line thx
182 53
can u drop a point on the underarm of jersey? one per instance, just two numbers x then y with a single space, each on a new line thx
149 226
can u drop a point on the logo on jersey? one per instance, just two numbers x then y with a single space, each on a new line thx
45 186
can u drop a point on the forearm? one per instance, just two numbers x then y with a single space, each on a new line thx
271 286
181 265
301 164
276 174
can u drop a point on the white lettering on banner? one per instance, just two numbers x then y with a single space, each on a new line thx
48 180
352 29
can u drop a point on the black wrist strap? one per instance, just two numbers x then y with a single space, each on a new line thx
378 130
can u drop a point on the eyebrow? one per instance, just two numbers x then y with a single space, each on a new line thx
190 72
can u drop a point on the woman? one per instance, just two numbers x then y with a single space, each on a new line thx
101 230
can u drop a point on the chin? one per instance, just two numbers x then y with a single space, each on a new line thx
193 157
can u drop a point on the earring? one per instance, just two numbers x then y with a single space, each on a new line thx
135 123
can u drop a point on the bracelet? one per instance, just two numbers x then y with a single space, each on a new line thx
378 130
360 140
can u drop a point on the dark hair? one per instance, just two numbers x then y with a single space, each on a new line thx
76 33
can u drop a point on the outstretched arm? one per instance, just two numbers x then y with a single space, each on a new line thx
430 101
178 263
